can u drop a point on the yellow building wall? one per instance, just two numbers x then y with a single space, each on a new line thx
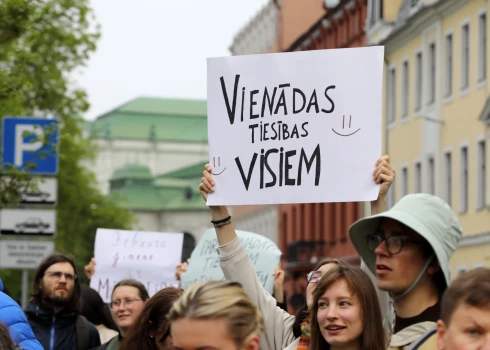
470 257
390 9
404 135
461 123
461 114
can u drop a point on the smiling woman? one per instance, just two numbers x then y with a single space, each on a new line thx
345 313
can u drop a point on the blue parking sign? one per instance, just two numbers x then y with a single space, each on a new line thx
31 144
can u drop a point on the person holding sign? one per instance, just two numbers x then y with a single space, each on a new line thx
215 315
282 330
408 248
345 313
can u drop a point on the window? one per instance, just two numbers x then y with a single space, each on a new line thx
432 176
432 77
481 175
448 177
482 47
449 66
463 186
392 96
404 181
465 57
405 90
375 10
418 177
418 82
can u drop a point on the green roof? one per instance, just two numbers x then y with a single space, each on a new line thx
136 191
190 172
132 171
156 119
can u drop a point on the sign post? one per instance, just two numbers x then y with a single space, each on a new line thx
30 144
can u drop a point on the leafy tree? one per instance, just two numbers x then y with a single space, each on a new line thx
42 43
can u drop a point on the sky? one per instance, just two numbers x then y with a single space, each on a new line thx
158 48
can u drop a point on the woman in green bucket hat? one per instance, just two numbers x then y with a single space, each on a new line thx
408 248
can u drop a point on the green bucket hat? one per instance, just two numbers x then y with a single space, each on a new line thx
428 215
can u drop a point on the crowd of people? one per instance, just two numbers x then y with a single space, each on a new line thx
400 298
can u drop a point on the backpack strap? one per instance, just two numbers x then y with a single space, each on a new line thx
423 338
83 333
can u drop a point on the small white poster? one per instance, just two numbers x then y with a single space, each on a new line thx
148 257
204 264
298 127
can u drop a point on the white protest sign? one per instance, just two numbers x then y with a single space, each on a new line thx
295 127
204 264
148 257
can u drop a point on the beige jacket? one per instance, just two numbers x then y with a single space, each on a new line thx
404 338
278 334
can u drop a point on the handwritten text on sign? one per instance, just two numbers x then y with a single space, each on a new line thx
149 257
295 127
204 264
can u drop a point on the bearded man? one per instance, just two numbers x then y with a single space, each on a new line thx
54 311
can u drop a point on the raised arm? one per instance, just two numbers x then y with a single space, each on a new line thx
226 234
237 266
384 175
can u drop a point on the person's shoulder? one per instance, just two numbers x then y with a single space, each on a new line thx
10 311
94 334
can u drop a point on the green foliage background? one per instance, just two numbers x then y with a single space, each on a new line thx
42 44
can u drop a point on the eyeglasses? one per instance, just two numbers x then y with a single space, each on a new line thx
127 302
56 275
394 244
313 276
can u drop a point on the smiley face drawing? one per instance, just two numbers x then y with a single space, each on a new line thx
219 165
343 127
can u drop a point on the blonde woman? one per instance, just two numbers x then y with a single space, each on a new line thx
215 315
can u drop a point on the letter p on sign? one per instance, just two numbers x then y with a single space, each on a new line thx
22 145
32 141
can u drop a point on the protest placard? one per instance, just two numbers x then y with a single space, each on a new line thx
148 257
296 127
204 264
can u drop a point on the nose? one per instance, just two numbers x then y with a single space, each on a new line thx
332 312
62 278
381 249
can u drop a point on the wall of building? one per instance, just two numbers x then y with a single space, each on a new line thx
259 35
194 222
444 124
258 219
160 157
147 221
296 18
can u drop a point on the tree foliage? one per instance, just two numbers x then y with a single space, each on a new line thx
42 44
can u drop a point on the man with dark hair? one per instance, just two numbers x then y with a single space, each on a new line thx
54 311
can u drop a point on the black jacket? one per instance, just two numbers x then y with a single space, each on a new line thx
45 324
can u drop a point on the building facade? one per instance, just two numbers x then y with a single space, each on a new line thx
161 134
151 154
169 202
436 115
